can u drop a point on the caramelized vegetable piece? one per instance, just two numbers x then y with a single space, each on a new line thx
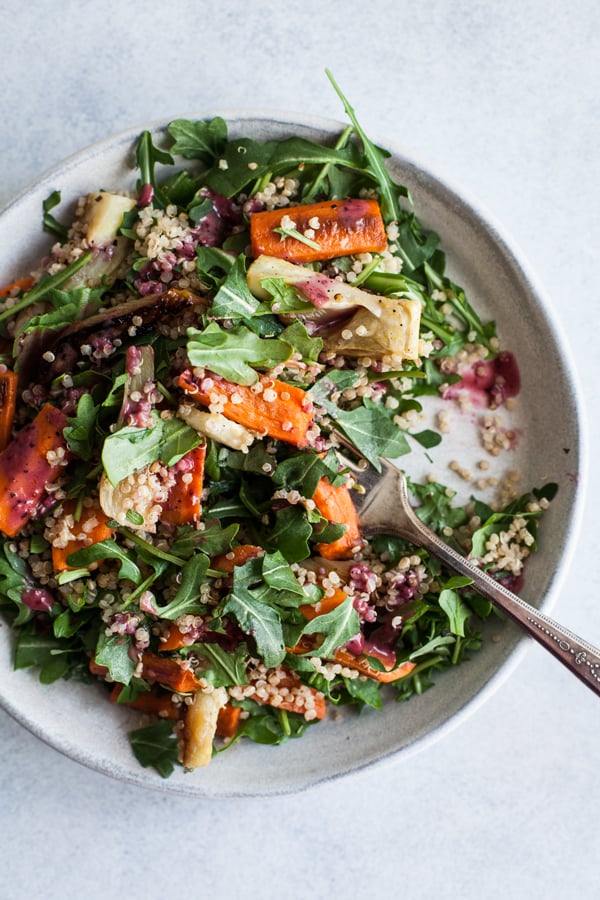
200 727
31 460
335 228
149 702
335 504
228 720
293 703
21 284
8 405
91 523
184 503
362 664
169 672
281 411
237 556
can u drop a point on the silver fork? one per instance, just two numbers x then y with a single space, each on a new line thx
385 508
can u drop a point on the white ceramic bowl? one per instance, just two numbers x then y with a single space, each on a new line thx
77 720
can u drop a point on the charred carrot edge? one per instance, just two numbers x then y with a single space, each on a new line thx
149 702
169 672
335 504
183 505
286 416
344 227
99 532
8 405
237 556
25 469
23 284
326 605
362 665
228 720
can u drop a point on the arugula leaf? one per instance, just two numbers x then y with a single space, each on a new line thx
291 532
113 652
42 288
188 592
80 433
367 691
234 298
232 352
372 432
336 627
204 139
15 578
212 264
68 306
389 191
302 342
254 617
156 746
225 667
147 154
131 448
303 471
456 609
108 549
49 223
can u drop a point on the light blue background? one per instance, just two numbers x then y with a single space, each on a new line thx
503 97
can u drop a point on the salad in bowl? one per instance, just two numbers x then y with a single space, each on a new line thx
185 377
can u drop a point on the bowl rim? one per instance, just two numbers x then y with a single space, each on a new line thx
513 253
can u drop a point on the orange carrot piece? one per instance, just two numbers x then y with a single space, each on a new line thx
99 531
237 556
286 415
27 466
149 702
335 504
326 605
23 284
360 662
362 665
168 672
183 506
345 227
8 405
228 720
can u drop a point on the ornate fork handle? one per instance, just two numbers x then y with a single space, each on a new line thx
581 658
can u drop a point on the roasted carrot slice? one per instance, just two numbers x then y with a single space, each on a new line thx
335 228
31 460
279 410
335 504
92 523
184 503
237 556
149 702
22 284
8 405
362 664
228 720
169 672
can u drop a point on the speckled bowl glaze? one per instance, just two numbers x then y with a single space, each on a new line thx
77 720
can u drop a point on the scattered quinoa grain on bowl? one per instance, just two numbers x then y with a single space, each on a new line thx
182 381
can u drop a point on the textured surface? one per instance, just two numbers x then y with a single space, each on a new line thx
503 101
